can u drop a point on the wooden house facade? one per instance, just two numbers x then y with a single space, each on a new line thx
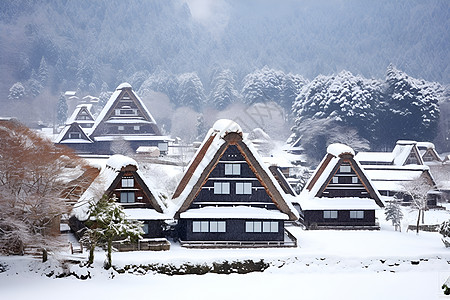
391 171
340 194
229 198
122 179
124 119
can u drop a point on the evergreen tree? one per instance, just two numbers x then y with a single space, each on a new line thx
190 91
61 110
393 212
413 107
43 71
291 87
108 222
444 230
17 91
262 86
223 90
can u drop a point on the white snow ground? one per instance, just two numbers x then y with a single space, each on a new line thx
327 265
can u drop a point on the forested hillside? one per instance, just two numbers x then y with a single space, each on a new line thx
204 54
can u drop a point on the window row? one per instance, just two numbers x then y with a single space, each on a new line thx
209 226
258 226
345 179
333 214
242 188
220 226
122 128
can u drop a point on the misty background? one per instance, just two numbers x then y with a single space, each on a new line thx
196 60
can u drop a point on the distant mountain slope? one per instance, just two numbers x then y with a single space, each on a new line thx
86 43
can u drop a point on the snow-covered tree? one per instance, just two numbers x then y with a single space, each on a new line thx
17 91
352 101
107 223
418 190
290 89
43 71
413 107
263 85
444 230
61 109
393 212
32 177
223 90
162 82
190 91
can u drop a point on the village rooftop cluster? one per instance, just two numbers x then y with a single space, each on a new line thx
229 196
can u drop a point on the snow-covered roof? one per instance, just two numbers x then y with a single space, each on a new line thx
73 117
339 149
103 182
133 138
204 157
143 214
237 212
309 195
397 157
426 145
112 101
383 157
60 138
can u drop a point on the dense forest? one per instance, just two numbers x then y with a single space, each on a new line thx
387 59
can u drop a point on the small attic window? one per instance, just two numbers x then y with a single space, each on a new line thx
345 169
74 135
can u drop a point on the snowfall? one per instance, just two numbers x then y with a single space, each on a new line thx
326 264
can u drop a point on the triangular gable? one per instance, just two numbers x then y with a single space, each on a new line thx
339 175
109 180
73 133
124 108
226 134
406 153
84 114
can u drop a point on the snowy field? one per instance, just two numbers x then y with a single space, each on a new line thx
327 265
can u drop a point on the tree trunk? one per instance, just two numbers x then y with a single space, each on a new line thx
109 254
423 216
91 254
418 221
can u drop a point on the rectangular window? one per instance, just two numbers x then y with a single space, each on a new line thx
253 226
127 197
243 188
330 214
221 187
208 226
195 226
335 179
232 169
120 128
204 226
74 135
137 127
356 214
217 226
345 169
354 179
127 182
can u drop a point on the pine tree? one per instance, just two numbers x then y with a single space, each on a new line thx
17 91
43 71
107 222
444 230
413 107
394 213
223 91
191 93
61 109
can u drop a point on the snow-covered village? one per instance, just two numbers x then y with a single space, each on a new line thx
203 149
